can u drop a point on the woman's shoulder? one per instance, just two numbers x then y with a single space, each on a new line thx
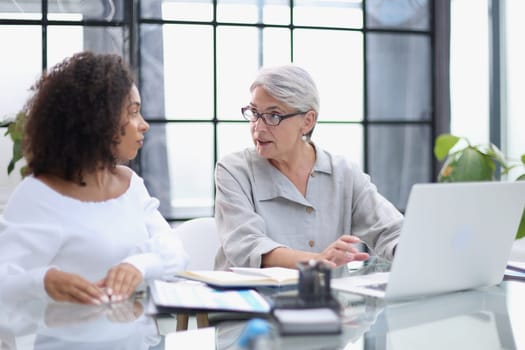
125 173
129 177
135 183
239 158
31 187
337 161
30 196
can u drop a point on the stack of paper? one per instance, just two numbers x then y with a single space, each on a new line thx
202 338
515 271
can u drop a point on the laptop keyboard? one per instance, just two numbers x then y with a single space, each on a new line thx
379 286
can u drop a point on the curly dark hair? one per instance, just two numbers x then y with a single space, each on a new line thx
74 115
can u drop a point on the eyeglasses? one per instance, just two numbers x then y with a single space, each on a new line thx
270 119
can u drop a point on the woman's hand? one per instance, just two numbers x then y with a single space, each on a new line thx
121 282
342 251
64 286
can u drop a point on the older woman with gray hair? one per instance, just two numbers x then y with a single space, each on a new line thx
287 200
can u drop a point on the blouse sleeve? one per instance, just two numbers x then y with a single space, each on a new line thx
374 218
163 254
27 246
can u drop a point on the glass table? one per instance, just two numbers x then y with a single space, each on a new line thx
487 318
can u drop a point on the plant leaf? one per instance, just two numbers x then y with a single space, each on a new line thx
495 153
468 165
10 167
523 158
444 144
521 177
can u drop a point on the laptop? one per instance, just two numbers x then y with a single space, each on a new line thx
455 236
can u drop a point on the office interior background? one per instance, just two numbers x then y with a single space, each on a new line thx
392 75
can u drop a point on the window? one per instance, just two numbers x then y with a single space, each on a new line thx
513 142
373 62
488 75
373 67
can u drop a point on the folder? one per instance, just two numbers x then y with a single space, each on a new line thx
189 296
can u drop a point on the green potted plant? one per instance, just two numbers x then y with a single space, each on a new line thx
15 130
464 161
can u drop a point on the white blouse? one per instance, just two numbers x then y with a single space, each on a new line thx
42 228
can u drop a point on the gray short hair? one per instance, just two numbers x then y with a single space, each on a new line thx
291 85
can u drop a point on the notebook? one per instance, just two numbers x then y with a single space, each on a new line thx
455 236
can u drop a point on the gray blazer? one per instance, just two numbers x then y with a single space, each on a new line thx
258 209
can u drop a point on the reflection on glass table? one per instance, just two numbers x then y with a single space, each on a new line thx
42 324
488 318
476 319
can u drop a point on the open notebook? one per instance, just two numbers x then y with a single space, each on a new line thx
455 236
244 277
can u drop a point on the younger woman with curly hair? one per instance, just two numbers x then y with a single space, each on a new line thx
81 227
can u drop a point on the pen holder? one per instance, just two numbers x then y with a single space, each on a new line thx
314 282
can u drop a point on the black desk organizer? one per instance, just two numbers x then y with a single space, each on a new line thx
313 290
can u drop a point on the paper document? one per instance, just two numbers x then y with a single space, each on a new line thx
245 277
516 265
515 271
187 295
202 338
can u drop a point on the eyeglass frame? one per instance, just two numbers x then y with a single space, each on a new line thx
258 116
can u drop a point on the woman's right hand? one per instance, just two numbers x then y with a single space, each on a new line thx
64 286
343 251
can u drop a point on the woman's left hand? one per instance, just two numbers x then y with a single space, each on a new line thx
121 281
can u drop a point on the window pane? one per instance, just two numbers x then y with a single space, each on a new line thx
469 70
338 71
188 68
341 13
276 46
181 10
342 139
276 12
190 168
398 14
85 10
253 11
19 68
515 145
21 10
238 53
399 77
63 41
399 156
233 137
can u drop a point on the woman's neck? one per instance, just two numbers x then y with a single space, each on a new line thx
303 157
298 167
